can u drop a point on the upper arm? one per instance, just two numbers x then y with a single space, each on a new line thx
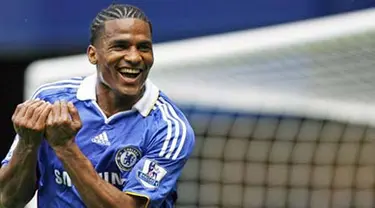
155 175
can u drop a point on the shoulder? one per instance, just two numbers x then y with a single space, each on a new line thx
172 128
167 112
53 90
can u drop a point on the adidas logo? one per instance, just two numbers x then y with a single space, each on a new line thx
101 139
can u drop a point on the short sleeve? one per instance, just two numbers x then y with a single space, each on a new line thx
155 175
9 155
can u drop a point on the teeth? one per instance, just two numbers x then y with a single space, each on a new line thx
130 71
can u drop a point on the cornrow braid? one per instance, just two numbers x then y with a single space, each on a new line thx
115 11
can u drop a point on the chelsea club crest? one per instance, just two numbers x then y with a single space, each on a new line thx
127 157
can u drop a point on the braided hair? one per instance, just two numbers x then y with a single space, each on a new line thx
115 11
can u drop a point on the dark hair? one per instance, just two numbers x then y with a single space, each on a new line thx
115 11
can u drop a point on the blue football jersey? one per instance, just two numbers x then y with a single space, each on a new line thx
140 151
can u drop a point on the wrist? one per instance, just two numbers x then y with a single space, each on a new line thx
66 149
28 146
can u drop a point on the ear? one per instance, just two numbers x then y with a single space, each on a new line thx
92 54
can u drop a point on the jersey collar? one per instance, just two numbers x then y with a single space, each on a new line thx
86 91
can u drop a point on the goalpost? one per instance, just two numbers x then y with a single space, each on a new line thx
283 115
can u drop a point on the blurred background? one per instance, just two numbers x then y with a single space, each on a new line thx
41 29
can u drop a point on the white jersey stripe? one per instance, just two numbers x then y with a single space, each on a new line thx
169 131
177 129
77 78
54 87
58 83
183 136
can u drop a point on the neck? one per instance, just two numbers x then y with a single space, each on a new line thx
111 102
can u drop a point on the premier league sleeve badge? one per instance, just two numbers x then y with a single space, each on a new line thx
151 174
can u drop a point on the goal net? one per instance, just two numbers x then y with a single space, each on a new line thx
283 116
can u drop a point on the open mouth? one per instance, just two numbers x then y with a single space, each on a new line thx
130 73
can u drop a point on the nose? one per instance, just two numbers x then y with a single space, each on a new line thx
133 57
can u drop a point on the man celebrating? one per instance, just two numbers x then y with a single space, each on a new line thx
97 141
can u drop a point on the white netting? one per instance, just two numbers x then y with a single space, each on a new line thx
284 115
250 160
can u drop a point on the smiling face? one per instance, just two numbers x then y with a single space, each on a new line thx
123 55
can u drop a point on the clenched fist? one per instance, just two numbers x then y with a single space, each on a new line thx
63 123
29 121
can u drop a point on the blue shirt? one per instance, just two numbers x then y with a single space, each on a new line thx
141 151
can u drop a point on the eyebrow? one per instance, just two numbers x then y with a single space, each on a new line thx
126 41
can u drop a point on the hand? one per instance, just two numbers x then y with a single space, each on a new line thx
29 121
63 123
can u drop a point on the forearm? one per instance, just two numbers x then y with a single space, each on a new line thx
94 191
18 178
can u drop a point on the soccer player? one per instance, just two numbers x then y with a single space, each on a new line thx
112 139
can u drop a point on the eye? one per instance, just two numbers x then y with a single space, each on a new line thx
120 45
145 47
